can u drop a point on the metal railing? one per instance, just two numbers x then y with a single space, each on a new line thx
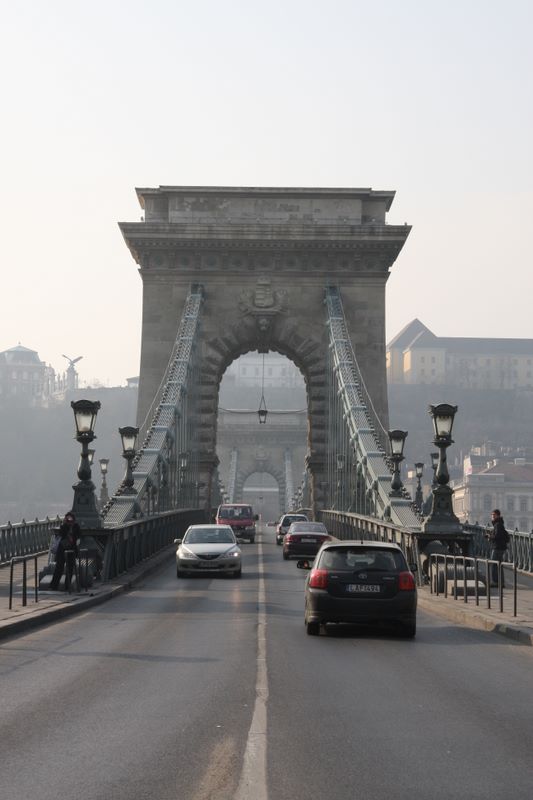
359 469
26 538
346 525
519 549
470 577
23 560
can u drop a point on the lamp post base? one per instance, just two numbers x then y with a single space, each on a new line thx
442 518
84 505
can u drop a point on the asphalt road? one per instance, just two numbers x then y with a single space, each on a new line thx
209 688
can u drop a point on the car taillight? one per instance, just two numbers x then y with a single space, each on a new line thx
318 579
406 582
287 538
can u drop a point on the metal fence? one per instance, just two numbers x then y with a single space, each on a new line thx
519 550
26 538
462 577
346 525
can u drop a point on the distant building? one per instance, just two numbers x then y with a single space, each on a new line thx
22 375
495 481
25 379
278 371
417 356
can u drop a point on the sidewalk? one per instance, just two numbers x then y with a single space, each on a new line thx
53 606
57 605
519 628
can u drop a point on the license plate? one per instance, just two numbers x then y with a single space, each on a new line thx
368 588
209 565
304 539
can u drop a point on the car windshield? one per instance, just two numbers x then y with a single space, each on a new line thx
371 559
308 527
209 536
288 520
235 512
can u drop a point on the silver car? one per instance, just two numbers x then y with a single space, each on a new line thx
208 548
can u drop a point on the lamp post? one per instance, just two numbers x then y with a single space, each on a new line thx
441 518
397 440
129 440
84 504
104 494
434 465
183 460
419 497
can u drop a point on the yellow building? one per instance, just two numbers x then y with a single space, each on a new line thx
417 356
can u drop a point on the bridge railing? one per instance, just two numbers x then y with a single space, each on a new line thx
26 538
347 525
519 549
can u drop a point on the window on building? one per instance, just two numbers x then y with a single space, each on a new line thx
510 524
243 370
487 502
509 503
432 359
522 526
523 504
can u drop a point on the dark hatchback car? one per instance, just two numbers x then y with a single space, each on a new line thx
304 539
360 582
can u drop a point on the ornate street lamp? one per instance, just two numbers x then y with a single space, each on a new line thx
104 494
397 440
84 505
441 519
129 441
419 497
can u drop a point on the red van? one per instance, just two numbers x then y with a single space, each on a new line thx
241 518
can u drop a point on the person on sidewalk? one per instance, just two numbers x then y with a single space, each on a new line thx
498 539
66 552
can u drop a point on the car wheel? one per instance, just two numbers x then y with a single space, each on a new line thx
237 574
252 539
278 541
408 630
179 573
312 628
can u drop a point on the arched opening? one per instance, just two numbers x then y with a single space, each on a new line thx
256 460
261 490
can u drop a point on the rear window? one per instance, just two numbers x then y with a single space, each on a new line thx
312 527
367 558
288 519
235 512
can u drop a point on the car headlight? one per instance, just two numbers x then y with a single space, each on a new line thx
184 552
233 553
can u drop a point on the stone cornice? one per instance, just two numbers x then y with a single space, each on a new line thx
160 248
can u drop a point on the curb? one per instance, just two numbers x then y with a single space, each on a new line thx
477 620
82 603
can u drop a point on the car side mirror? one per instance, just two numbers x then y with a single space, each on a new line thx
238 540
303 563
178 541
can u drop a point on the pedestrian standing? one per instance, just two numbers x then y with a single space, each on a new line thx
499 539
67 547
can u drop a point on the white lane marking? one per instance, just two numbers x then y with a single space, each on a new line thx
253 782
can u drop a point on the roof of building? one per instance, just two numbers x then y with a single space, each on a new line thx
417 335
516 473
408 334
20 355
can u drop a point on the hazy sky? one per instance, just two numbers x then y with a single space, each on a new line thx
432 99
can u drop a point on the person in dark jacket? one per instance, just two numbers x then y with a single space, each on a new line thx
69 533
498 543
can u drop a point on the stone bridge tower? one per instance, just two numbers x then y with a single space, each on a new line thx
264 257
